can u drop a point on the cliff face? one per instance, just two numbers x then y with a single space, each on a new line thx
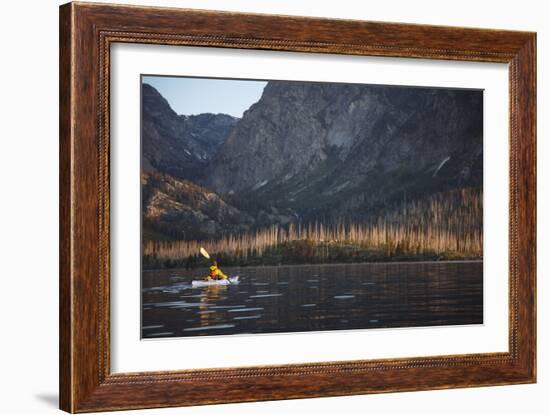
179 145
179 209
320 148
317 151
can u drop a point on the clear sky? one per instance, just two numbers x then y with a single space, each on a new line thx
199 95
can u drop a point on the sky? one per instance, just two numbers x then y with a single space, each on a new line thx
190 96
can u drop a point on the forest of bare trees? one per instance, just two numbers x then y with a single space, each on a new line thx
444 226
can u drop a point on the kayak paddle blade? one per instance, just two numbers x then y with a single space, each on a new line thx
204 253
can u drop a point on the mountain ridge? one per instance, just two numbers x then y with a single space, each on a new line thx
180 145
316 143
315 151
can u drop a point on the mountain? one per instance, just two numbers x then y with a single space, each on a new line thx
327 150
180 145
179 209
306 152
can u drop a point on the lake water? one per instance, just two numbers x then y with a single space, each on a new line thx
313 298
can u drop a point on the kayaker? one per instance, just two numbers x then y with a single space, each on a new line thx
215 273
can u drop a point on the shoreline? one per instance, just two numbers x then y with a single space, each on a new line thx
443 261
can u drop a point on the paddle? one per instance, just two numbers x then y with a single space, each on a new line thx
204 253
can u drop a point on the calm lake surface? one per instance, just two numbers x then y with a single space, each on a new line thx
313 298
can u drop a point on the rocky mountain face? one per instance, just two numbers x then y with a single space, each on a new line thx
179 209
333 150
317 151
179 145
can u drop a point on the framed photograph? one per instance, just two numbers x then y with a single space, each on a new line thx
260 207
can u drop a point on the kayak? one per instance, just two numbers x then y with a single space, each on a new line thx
205 283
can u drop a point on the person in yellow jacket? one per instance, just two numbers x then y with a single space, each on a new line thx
215 273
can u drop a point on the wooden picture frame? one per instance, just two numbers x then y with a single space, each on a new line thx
86 33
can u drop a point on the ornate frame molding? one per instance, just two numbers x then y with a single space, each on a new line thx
86 34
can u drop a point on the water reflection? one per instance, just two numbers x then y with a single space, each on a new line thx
311 298
209 296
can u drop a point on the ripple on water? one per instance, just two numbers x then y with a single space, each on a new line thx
164 333
158 326
190 305
152 289
247 317
343 297
266 295
174 304
240 310
215 327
